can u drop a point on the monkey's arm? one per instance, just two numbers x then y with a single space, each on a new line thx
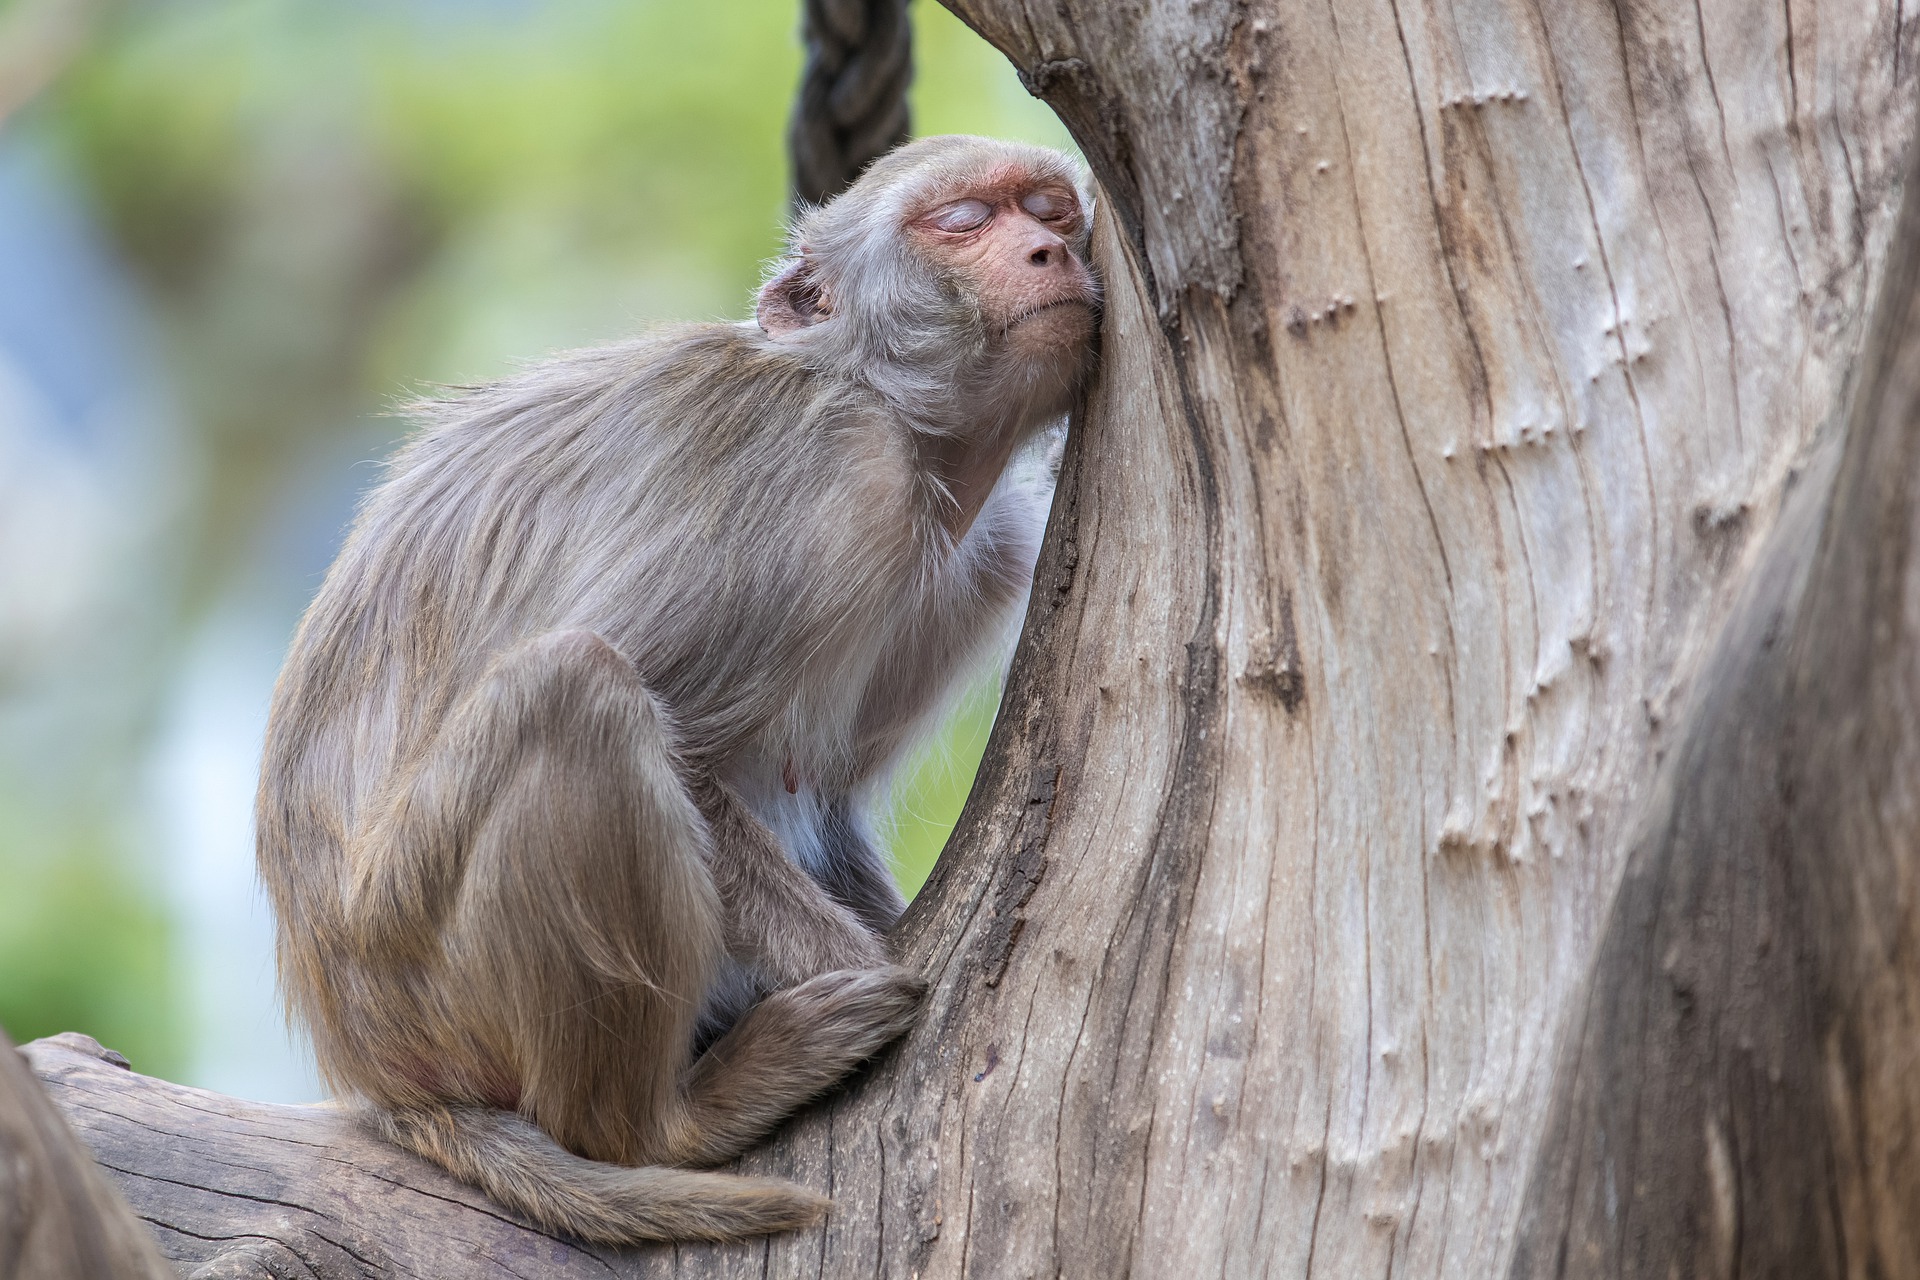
776 916
968 615
854 871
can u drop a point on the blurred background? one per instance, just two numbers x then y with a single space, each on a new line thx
233 233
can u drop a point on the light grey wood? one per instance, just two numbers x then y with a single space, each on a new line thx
1740 1090
248 1189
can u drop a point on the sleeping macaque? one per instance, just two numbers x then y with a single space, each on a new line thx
563 801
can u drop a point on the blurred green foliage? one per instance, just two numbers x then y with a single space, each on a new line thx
565 171
928 798
328 204
84 945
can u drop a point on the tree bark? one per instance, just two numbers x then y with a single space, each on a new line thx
234 1189
1450 520
59 1219
1740 1092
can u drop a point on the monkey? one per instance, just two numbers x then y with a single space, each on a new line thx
564 801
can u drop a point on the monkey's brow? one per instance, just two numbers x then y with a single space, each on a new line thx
997 186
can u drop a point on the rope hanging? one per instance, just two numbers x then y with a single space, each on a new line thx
852 104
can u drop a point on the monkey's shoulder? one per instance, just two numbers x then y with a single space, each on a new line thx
649 488
693 398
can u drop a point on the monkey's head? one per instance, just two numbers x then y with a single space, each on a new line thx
955 265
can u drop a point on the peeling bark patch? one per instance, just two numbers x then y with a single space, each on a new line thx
1265 433
1016 887
1022 876
1045 787
1275 671
1722 529
1279 681
1045 78
1063 568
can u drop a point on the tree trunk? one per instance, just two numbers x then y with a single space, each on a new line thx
1740 1092
1454 516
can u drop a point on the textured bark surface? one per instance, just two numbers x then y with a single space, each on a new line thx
1740 1093
1459 356
234 1189
59 1218
1456 363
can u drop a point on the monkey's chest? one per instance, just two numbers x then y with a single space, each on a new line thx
785 795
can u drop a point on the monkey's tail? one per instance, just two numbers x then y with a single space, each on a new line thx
523 1168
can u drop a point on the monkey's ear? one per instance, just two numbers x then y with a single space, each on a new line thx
791 301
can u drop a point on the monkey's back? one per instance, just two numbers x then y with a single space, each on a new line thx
740 530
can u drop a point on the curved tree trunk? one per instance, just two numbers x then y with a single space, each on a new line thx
1740 1089
1458 364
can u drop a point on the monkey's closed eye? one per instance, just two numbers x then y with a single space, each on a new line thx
1046 206
961 215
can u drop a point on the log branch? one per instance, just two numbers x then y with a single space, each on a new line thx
59 1219
237 1189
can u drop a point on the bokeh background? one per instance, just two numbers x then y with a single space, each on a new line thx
233 233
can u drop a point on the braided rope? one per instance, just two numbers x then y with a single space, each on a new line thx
852 104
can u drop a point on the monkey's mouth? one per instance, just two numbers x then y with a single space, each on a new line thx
1043 308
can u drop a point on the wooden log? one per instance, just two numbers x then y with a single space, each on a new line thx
237 1189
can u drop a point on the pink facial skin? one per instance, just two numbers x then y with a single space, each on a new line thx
1006 240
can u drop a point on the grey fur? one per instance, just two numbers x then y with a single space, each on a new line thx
567 766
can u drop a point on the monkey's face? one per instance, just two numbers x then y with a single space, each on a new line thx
1011 241
964 256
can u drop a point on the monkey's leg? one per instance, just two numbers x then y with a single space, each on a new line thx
788 1049
777 917
580 928
853 870
577 948
590 925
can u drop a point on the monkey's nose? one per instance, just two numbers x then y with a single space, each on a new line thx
1045 248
